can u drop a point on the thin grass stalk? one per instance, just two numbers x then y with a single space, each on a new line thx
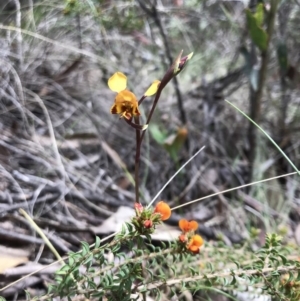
267 135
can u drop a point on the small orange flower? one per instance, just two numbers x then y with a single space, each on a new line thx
164 210
187 226
195 243
126 104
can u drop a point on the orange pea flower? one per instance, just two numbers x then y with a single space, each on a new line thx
163 209
126 103
187 239
195 243
187 226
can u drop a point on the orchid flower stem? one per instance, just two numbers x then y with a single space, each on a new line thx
139 139
137 161
142 99
157 96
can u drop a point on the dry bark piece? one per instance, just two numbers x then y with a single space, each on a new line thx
10 257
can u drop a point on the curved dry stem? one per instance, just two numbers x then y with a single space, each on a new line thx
51 133
42 235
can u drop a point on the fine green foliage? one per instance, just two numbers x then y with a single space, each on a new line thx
106 272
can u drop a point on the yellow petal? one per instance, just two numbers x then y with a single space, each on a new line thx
153 88
117 82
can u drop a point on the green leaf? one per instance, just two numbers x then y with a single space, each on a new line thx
210 267
92 284
233 281
257 34
259 14
51 288
274 260
58 279
98 294
174 142
157 134
71 260
116 248
158 297
97 242
173 270
193 271
128 284
28 297
237 264
172 291
85 248
89 261
150 274
63 270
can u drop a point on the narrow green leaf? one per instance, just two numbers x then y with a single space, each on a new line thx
259 14
157 134
28 297
233 281
175 142
89 261
71 260
193 271
210 266
257 34
92 284
85 248
97 242
173 270
237 264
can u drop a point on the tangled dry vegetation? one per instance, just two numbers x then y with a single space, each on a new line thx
66 160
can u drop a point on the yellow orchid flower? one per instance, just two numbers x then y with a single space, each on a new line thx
126 103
